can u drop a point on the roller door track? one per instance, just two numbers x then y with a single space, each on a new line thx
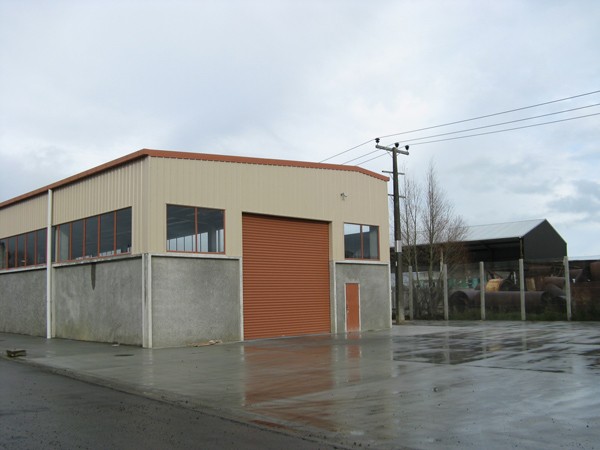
286 277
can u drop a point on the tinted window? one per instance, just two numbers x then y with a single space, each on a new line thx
3 252
361 241
181 228
63 237
77 240
352 240
211 230
91 237
41 248
30 249
123 236
107 234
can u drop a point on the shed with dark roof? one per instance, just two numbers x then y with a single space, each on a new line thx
528 239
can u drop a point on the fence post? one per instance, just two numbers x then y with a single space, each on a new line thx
445 275
411 310
482 289
567 286
522 287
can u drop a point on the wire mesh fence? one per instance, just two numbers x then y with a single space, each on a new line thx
511 290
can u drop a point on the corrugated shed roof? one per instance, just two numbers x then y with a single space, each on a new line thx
501 230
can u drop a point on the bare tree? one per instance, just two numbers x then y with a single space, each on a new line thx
409 221
432 233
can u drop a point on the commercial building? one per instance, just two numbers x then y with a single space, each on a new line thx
166 249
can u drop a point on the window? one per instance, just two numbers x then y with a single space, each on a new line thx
198 230
40 246
361 241
63 241
91 237
103 235
11 253
123 231
23 250
77 239
107 234
3 253
20 250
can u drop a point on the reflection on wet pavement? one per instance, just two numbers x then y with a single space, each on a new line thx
425 385
473 386
524 349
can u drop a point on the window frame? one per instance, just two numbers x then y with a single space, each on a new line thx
24 253
196 244
362 236
86 252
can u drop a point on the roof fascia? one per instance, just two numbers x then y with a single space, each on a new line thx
143 153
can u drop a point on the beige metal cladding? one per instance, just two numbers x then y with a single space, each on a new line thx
332 195
106 191
115 188
27 215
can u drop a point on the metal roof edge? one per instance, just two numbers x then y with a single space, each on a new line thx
145 152
261 161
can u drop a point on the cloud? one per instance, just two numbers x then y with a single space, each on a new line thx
86 82
583 200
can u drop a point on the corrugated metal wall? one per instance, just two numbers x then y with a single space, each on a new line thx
149 184
285 276
28 215
115 189
273 190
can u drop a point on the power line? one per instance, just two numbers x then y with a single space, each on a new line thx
346 151
474 135
491 115
503 123
462 121
510 129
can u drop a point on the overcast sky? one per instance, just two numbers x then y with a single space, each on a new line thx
84 82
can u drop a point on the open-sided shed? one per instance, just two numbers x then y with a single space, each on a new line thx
511 241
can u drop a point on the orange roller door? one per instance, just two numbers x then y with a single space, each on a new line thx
286 276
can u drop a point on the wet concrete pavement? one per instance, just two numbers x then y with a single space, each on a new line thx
421 385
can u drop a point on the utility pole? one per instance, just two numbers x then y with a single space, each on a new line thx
397 232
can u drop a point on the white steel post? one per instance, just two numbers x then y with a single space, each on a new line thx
49 241
149 300
567 287
445 275
410 294
522 287
482 289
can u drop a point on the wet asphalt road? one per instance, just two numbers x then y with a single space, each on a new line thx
42 410
443 385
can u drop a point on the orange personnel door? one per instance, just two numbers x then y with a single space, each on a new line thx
352 307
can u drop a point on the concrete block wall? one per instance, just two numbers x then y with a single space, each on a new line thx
99 301
374 293
195 300
23 302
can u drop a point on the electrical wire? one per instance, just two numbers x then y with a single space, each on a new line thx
474 135
492 115
346 151
462 121
481 128
502 123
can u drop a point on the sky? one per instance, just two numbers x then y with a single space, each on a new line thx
83 82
